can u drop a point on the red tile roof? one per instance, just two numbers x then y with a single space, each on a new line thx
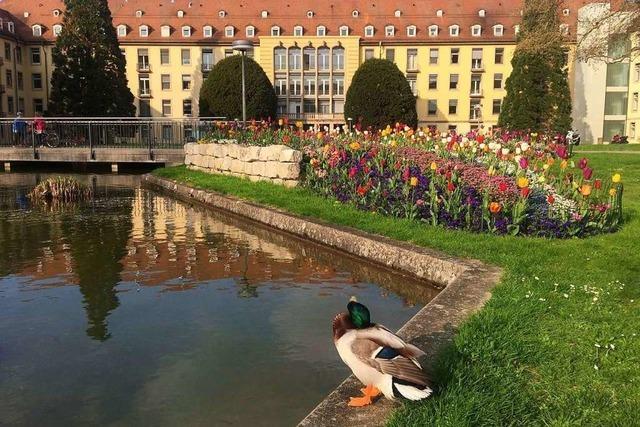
289 13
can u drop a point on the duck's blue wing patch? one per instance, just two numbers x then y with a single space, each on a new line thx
387 353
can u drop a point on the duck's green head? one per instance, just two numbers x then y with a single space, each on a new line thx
359 314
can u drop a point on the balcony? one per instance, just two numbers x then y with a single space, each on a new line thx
144 93
476 93
315 117
205 67
477 66
143 67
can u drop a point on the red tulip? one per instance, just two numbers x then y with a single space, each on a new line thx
582 163
450 186
597 184
524 162
550 199
525 192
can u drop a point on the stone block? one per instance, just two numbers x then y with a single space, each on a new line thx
189 148
233 151
210 149
187 159
226 163
217 163
288 170
271 169
253 154
289 155
211 162
201 149
257 168
270 153
237 166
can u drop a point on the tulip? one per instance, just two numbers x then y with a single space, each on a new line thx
502 187
524 163
495 207
355 145
562 152
406 174
450 186
616 178
434 166
352 172
419 202
523 182
597 184
612 192
582 163
585 190
587 172
563 164
550 199
413 181
524 192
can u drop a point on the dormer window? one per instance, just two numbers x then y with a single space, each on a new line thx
344 31
454 31
439 13
275 31
222 14
207 31
355 14
397 13
411 31
433 31
181 14
56 12
250 31
264 14
389 31
368 31
37 30
139 13
143 31
298 31
482 13
186 31
122 30
498 30
564 29
57 30
321 31
165 31
11 27
516 29
476 30
229 31
310 14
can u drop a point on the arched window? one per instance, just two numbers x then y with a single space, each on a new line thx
338 58
57 30
389 31
498 30
37 30
275 31
308 58
368 31
186 31
433 31
295 58
454 30
344 31
482 13
122 30
143 30
280 58
250 31
229 31
181 14
324 55
165 31
411 31
298 31
321 31
476 30
207 31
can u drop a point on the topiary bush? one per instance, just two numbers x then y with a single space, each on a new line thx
221 93
380 95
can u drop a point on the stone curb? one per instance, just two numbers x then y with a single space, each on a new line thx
467 287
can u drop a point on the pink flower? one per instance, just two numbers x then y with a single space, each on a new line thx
587 172
582 163
524 163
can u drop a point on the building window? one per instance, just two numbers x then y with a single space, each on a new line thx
368 54
338 85
411 31
19 55
453 106
355 14
368 31
497 81
20 81
475 110
412 59
57 30
632 130
207 31
298 31
637 72
499 55
476 59
144 108
413 84
250 31
143 60
275 31
432 107
11 27
167 133
324 87
122 30
455 55
564 29
309 106
280 87
453 81
7 51
144 88
9 77
37 31
185 55
187 108
186 82
310 14
35 56
36 81
390 54
143 31
344 31
10 106
338 59
207 60
323 58
497 106
21 104
498 30
454 31
476 30
309 85
295 58
166 81
164 57
165 31
433 31
280 58
38 105
229 31
389 31
186 31
618 74
309 58
295 86
433 81
615 103
433 56
476 84
321 31
634 101
166 107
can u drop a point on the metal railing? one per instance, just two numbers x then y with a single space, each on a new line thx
93 133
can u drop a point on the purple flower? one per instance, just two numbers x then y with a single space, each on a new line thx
587 172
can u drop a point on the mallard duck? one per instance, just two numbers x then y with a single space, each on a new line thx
380 359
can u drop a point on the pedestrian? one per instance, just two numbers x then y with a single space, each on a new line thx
19 129
39 127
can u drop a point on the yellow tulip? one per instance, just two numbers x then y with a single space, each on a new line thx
563 164
434 166
354 145
612 192
616 178
414 181
492 171
523 182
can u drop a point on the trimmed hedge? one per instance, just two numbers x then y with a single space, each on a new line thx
221 93
380 95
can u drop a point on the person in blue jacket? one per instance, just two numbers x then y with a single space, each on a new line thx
19 129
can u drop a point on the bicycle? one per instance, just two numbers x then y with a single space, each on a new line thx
50 139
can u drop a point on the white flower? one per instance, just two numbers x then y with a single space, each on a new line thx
505 151
518 150
524 146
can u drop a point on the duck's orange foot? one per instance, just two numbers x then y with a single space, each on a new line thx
370 391
358 402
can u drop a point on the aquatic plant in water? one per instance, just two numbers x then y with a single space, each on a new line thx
60 190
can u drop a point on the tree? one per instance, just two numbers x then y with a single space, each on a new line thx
380 95
221 93
538 97
89 78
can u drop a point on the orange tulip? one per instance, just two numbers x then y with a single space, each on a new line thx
585 190
494 207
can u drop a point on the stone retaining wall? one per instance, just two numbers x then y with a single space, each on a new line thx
275 163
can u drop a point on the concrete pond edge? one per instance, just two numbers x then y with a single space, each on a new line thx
466 284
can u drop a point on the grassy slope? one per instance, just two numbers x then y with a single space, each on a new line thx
609 147
529 356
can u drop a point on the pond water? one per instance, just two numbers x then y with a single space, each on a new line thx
137 309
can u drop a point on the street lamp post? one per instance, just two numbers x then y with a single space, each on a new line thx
243 46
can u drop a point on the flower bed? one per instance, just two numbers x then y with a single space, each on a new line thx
512 183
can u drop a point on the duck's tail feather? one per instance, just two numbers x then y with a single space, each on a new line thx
411 392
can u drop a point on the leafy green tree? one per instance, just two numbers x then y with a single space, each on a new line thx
221 93
380 95
89 77
538 96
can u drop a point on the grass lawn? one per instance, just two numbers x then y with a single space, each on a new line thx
558 343
609 147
